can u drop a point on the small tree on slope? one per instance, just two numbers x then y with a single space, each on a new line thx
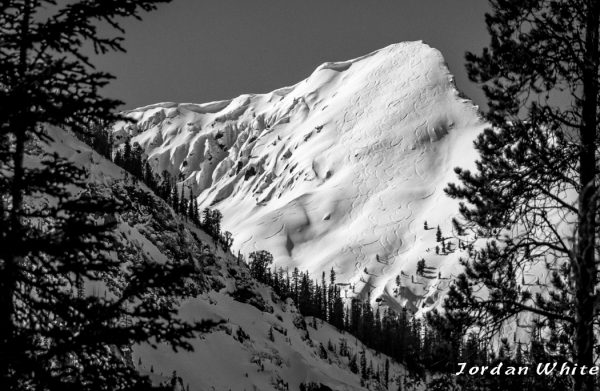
535 192
57 230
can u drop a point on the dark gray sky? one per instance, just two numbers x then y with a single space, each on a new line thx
203 50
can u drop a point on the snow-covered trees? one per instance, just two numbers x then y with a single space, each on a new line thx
535 192
57 232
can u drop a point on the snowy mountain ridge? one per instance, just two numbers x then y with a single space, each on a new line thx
340 170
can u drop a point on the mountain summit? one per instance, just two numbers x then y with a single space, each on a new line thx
338 171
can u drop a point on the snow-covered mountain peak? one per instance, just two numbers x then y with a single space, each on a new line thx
338 171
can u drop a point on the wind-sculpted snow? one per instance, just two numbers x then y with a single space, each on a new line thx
338 171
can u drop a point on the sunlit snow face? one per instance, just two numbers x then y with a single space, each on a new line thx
338 171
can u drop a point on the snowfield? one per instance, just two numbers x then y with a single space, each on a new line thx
340 170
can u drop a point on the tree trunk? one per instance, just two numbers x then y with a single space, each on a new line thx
585 268
15 228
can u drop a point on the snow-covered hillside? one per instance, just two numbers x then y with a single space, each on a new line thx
338 171
240 354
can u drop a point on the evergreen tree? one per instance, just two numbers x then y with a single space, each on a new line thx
149 176
174 198
206 218
197 212
353 365
127 157
99 138
376 340
190 207
182 202
338 310
136 164
363 364
259 265
216 218
331 296
227 240
367 321
535 192
295 284
421 267
323 298
355 326
52 335
438 234
165 186
322 352
119 158
386 376
271 336
305 296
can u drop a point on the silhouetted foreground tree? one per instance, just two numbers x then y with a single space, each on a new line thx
535 192
57 236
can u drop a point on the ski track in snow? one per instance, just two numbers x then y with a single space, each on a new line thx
348 164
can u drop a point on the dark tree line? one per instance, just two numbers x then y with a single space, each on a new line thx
100 138
131 158
417 343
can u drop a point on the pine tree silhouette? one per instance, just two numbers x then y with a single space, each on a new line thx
53 334
534 194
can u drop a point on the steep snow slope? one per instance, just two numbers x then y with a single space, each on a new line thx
238 355
338 171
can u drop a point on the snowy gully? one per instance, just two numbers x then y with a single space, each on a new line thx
541 369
